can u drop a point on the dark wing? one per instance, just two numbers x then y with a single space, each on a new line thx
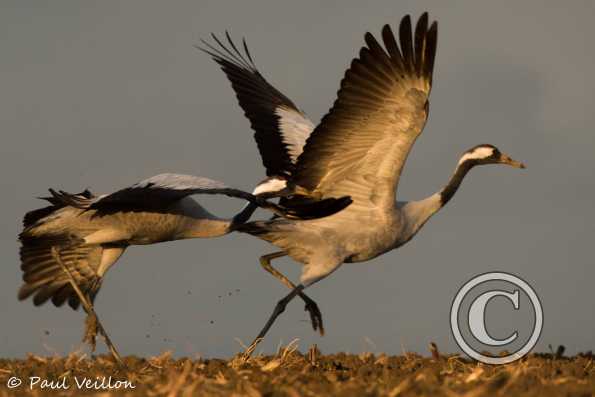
159 192
361 145
281 129
56 203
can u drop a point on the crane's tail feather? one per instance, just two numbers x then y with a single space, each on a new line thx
314 209
33 216
44 278
57 201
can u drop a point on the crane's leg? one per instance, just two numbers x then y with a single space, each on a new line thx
311 306
279 308
92 319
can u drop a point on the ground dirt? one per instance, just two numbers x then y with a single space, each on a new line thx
291 373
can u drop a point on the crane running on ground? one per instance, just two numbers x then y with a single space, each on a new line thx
67 247
358 150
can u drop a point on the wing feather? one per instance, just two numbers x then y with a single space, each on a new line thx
159 192
281 129
361 145
406 41
44 278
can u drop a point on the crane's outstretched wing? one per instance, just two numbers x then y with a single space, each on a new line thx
360 146
159 192
281 129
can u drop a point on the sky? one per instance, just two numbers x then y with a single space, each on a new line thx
104 94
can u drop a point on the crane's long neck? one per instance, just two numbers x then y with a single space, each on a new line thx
244 214
269 186
206 224
455 181
417 213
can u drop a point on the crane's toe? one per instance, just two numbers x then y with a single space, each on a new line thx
315 315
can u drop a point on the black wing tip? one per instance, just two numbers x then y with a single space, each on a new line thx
387 30
405 23
422 23
416 50
257 97
434 27
228 55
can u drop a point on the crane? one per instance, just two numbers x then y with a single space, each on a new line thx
68 246
358 150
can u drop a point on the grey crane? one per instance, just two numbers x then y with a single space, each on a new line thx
67 247
358 150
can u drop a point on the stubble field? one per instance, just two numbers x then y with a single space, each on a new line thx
291 373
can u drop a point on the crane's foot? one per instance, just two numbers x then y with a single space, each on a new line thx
245 356
92 324
279 308
315 314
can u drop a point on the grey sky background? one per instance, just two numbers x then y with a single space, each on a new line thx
103 94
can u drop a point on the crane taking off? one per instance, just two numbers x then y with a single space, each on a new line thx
358 150
67 247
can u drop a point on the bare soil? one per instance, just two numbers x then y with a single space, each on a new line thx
291 373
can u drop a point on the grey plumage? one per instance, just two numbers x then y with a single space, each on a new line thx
92 231
359 150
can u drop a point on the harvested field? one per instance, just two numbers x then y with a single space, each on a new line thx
291 373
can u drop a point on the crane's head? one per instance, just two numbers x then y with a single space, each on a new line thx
487 154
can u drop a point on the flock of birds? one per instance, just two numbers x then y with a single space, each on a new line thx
335 182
